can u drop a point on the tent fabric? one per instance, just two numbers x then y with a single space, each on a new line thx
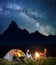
10 56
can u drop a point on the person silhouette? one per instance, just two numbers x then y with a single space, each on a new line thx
45 52
28 54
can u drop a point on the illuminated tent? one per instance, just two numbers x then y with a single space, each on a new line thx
14 54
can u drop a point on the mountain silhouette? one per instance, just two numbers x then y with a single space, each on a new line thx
15 33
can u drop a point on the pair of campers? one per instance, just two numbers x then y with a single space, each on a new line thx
17 55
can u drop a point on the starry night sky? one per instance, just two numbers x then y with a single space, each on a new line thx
32 15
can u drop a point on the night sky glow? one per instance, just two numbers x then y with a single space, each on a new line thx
32 15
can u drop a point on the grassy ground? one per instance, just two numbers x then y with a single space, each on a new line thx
40 61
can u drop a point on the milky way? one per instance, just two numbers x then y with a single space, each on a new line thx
32 15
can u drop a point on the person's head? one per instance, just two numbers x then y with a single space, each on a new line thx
45 50
28 50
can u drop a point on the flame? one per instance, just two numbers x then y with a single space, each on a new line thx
37 55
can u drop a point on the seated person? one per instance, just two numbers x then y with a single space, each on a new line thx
28 54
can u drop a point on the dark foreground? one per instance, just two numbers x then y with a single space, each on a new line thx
40 61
